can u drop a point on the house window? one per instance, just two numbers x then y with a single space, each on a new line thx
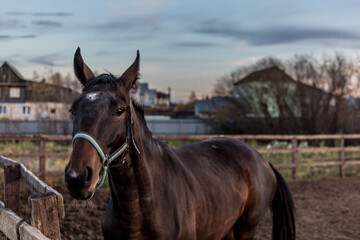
3 109
26 110
14 92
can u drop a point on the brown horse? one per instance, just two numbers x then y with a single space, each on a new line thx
215 189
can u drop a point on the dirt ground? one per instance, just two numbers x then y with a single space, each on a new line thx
325 209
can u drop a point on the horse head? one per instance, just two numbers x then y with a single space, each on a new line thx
102 116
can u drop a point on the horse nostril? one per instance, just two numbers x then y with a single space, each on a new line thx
89 174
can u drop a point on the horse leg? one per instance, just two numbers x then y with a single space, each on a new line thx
244 230
229 236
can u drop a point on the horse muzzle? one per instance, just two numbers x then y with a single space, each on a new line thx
79 184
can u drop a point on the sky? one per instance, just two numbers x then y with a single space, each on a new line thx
186 45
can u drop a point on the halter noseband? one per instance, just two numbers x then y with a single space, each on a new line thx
106 159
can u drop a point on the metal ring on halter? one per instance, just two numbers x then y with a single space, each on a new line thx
105 161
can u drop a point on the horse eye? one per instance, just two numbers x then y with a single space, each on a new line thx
120 111
71 111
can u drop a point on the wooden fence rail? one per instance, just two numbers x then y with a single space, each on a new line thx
46 205
42 153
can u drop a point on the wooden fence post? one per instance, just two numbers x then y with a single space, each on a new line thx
44 214
342 157
184 141
294 158
12 186
42 158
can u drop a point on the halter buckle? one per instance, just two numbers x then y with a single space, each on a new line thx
105 162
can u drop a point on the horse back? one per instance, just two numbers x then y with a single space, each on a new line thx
218 179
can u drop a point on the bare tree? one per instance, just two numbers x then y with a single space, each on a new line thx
316 102
224 85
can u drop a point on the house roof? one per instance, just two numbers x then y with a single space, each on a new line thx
52 92
275 74
15 71
266 75
214 104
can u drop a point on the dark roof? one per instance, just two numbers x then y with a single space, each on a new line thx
266 75
276 74
15 71
47 92
215 104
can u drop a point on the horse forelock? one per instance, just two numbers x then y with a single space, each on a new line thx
102 80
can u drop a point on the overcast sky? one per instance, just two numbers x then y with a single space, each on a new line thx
185 45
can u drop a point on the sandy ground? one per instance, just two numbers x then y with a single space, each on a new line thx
325 209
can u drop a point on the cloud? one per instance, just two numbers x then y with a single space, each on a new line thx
47 23
10 23
129 29
245 61
195 44
47 60
8 37
130 24
274 34
41 14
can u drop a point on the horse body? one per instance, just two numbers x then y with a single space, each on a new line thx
194 192
215 189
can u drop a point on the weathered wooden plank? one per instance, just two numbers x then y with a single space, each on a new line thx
8 225
32 182
28 232
12 186
36 186
42 158
36 154
44 214
275 150
317 164
19 137
5 160
294 157
8 222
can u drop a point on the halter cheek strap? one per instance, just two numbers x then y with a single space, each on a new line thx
105 158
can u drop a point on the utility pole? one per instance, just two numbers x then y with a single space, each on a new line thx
169 96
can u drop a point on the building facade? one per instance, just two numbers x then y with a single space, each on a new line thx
22 99
151 97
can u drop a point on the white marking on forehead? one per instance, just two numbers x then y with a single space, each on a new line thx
92 96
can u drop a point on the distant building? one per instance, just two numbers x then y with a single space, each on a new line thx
22 99
280 94
151 97
210 107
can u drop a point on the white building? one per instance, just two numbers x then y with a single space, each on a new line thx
22 99
151 97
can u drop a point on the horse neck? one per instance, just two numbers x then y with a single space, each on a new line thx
131 186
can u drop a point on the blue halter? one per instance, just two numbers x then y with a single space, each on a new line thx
106 159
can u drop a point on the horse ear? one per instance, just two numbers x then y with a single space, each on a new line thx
130 76
82 71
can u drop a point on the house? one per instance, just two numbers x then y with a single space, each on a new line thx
152 98
274 93
22 99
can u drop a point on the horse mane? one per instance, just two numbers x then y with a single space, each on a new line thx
140 114
105 78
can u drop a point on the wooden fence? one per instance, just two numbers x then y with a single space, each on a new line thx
46 205
294 150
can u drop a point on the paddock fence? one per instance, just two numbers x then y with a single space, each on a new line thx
294 150
46 205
